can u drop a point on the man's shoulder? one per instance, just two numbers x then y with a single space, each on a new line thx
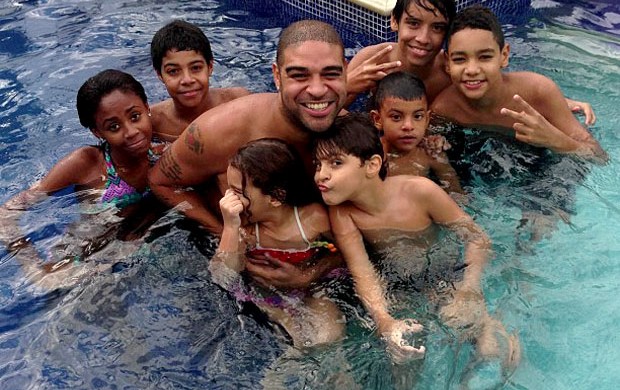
245 109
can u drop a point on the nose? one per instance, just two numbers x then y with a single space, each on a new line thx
423 35
316 86
187 77
472 67
321 174
132 129
407 124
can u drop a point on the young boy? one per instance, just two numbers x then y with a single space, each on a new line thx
367 206
481 94
183 60
401 114
421 26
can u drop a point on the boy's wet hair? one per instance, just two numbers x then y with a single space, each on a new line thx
307 30
352 134
401 85
179 35
275 168
100 85
447 8
477 17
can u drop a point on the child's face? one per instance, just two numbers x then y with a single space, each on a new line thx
420 35
122 120
186 77
254 202
475 61
403 122
339 177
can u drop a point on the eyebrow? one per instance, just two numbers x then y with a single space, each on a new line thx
462 52
113 118
332 68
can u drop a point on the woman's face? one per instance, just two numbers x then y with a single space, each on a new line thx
122 119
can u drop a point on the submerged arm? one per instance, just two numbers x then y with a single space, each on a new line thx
369 289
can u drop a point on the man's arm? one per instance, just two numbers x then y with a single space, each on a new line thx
190 160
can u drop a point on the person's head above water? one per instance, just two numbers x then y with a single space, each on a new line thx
447 8
401 85
421 26
179 35
310 74
94 89
353 134
274 167
307 30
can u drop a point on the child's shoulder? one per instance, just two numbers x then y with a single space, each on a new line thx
529 81
224 95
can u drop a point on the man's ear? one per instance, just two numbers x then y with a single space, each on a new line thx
373 165
376 119
276 75
505 54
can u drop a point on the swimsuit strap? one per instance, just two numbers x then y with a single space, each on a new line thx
257 234
301 229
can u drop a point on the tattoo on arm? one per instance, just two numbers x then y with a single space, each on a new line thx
192 139
169 167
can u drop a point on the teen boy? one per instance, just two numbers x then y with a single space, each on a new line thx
481 94
421 26
365 206
183 60
401 114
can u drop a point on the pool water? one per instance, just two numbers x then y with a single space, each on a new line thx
155 320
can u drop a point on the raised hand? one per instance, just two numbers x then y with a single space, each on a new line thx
364 76
532 128
231 207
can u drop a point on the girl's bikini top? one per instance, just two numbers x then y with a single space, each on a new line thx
118 191
293 256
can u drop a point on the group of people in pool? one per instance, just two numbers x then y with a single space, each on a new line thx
294 185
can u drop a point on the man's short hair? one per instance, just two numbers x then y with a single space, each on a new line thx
307 30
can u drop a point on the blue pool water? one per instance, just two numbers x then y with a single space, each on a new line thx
154 320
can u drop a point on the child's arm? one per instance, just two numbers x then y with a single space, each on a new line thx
228 261
447 176
368 287
468 306
583 107
551 124
368 67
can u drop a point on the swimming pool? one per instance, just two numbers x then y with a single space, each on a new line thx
156 321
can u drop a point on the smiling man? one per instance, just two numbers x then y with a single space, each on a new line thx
310 75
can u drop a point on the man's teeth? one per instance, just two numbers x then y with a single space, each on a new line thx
317 106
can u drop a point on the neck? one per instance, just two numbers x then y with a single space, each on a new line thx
188 114
278 217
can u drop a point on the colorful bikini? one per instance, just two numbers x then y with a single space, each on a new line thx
117 191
